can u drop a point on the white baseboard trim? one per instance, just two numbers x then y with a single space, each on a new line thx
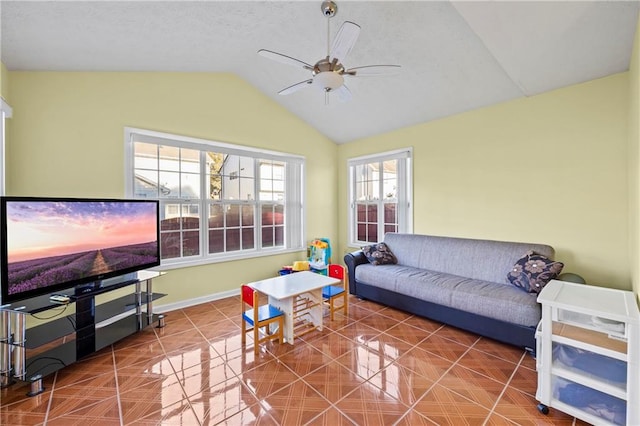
160 309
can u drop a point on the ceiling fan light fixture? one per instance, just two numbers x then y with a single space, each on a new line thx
328 80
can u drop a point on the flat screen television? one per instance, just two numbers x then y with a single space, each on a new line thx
50 244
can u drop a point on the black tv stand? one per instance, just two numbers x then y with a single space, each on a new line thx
30 353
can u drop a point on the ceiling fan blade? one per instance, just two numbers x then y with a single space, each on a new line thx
345 40
344 94
374 70
284 59
294 88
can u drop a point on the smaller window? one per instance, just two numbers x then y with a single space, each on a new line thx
379 196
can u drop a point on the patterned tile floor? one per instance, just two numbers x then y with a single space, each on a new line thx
378 366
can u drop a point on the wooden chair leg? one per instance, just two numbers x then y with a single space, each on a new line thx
256 338
332 307
346 304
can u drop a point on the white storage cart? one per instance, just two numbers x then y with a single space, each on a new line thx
588 353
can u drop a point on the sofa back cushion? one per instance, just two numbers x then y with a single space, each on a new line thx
479 259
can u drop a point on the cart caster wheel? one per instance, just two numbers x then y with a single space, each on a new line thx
543 409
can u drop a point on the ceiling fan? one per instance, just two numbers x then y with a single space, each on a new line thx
328 73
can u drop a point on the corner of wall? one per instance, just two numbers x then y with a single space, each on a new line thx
634 162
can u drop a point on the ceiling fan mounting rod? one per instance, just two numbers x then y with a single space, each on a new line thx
329 9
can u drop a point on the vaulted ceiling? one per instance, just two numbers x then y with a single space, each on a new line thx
455 56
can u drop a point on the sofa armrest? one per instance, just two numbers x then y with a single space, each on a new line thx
352 260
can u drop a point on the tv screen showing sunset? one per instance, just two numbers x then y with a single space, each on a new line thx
54 242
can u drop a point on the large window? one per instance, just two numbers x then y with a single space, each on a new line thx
379 196
218 201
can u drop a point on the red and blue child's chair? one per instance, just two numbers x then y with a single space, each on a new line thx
258 317
331 293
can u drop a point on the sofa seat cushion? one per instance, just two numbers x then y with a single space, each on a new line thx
500 301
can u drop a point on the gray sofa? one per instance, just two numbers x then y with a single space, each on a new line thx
457 281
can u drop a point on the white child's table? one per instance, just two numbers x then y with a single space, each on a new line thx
299 296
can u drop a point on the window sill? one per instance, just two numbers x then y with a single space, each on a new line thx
199 261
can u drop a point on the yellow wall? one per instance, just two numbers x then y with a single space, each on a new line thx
634 163
550 168
68 140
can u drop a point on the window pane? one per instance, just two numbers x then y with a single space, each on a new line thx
248 241
267 236
145 155
247 216
145 184
215 187
169 158
169 217
191 217
361 212
368 190
267 214
189 161
279 235
216 241
169 245
361 234
364 172
190 185
266 170
191 243
374 193
170 184
231 166
389 213
266 186
246 167
233 239
216 216
247 189
389 179
215 161
272 175
278 215
230 188
372 213
233 215
372 233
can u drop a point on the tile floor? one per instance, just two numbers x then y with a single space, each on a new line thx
378 366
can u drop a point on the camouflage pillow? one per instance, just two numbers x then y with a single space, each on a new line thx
533 271
379 254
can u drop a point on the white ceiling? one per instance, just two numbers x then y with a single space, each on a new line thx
455 56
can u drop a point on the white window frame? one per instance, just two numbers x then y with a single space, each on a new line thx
404 192
294 233
6 112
